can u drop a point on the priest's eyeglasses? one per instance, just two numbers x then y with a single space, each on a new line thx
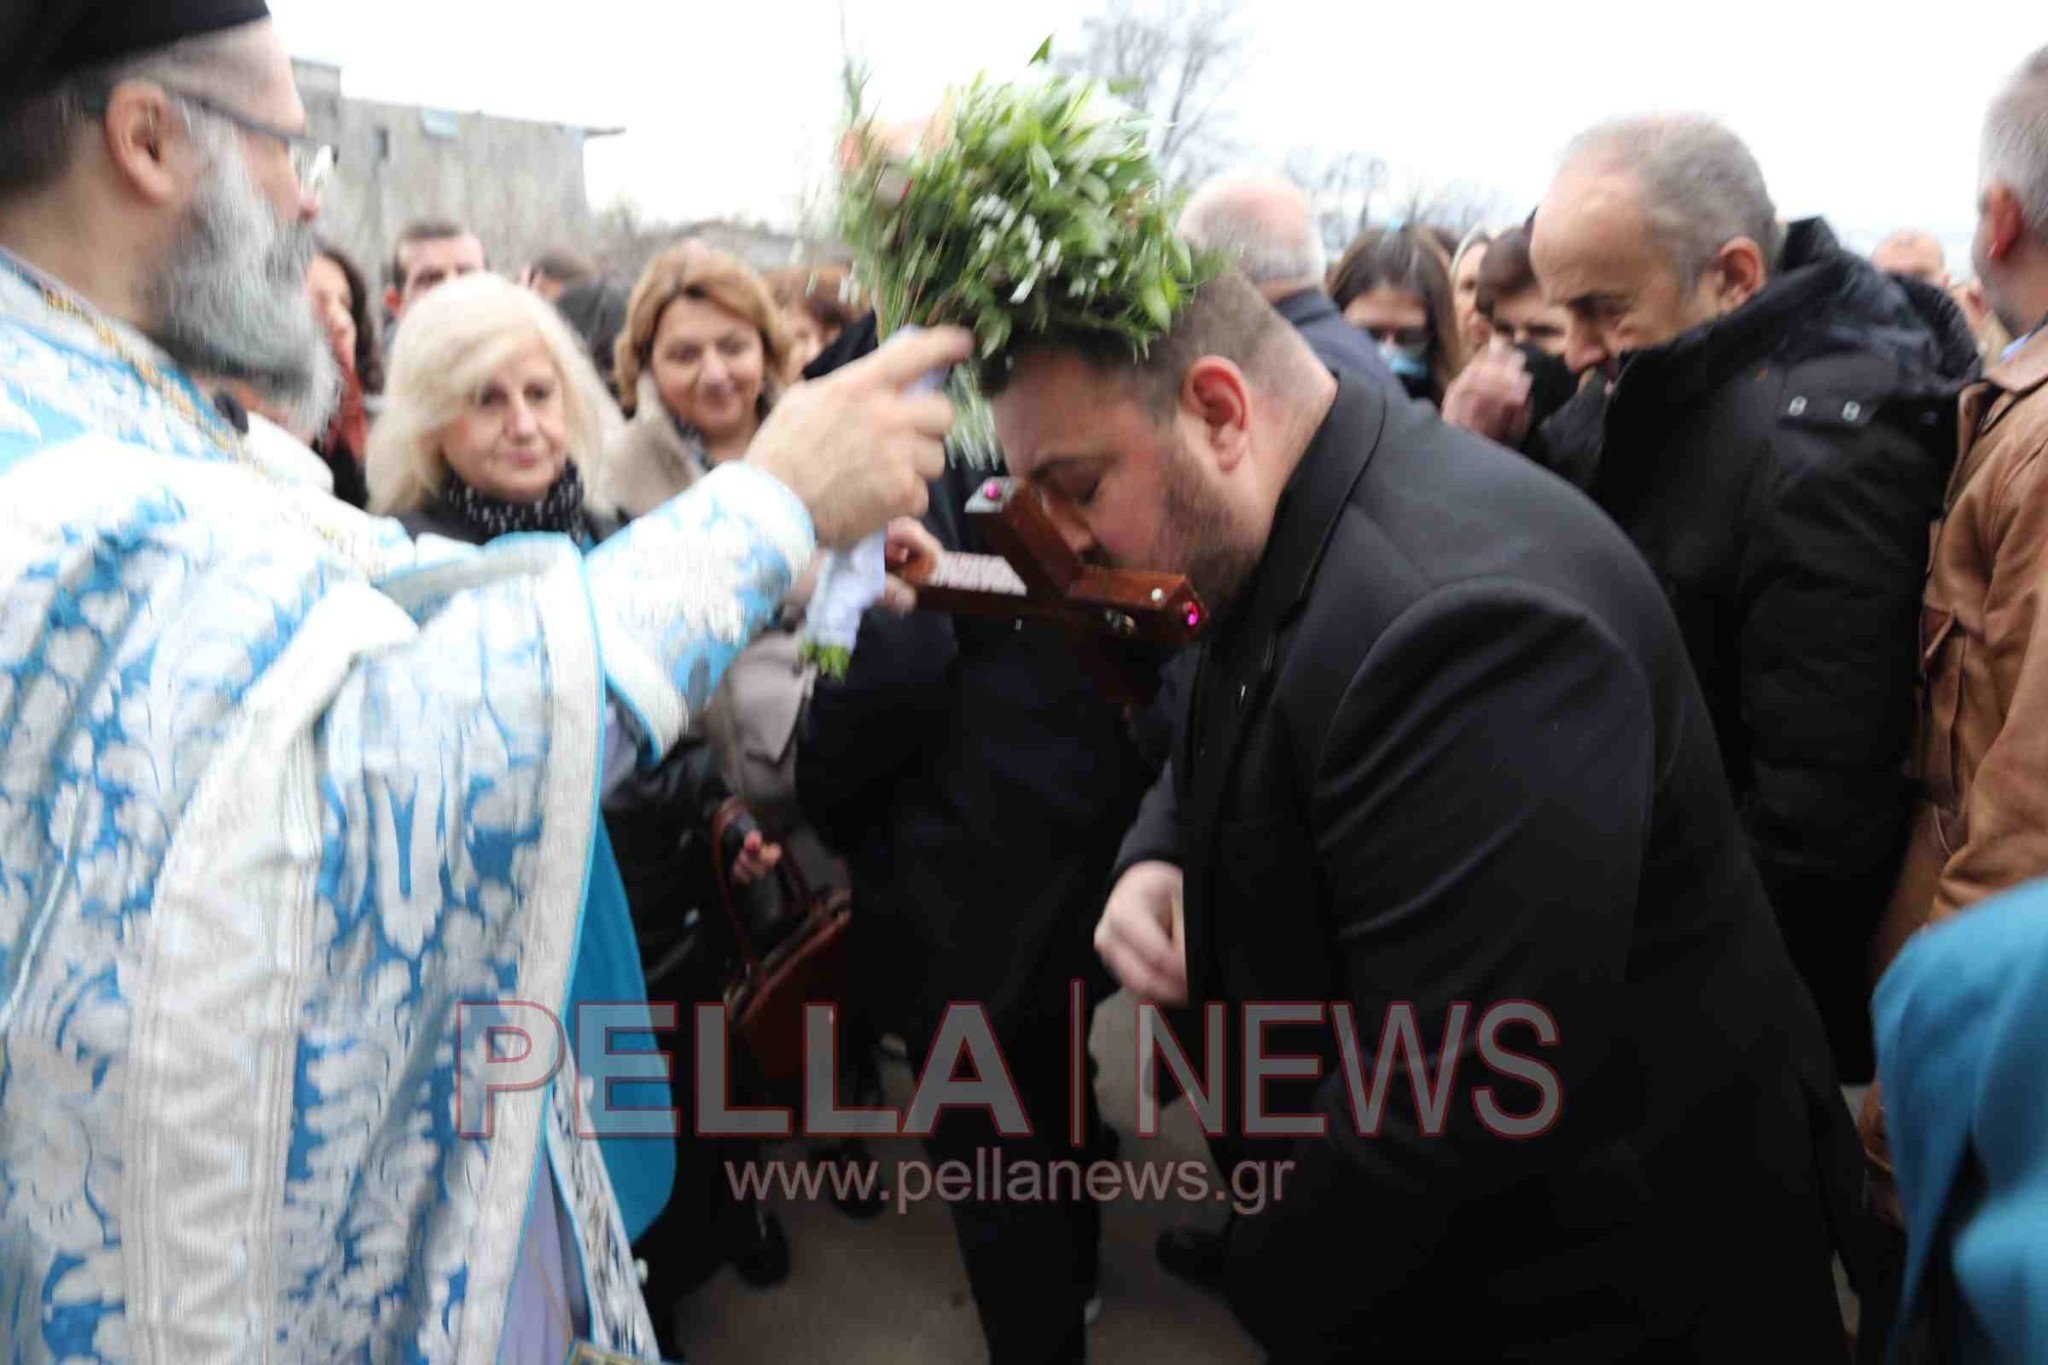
312 162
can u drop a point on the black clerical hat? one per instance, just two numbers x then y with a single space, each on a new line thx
43 41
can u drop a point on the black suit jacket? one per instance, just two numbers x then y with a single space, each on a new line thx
1446 747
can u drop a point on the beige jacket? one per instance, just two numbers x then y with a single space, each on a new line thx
752 720
1982 740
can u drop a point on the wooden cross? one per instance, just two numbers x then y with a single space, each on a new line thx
1036 576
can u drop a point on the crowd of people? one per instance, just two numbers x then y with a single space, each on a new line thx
1630 610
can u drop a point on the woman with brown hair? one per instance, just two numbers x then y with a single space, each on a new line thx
818 302
699 364
701 361
1395 284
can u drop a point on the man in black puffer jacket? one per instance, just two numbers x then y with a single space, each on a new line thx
1771 420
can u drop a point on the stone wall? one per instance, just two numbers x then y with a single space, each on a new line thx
518 183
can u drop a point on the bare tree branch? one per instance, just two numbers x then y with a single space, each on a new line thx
1175 60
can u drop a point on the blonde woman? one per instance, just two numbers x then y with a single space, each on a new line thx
494 422
1474 330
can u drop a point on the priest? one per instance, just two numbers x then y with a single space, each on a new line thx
281 797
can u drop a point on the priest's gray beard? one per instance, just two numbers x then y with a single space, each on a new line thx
231 300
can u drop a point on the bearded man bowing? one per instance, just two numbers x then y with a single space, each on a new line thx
1444 746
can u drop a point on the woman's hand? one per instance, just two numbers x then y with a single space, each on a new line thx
1491 396
755 860
911 554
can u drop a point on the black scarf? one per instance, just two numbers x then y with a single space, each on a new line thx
560 509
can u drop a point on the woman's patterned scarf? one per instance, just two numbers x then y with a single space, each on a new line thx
560 508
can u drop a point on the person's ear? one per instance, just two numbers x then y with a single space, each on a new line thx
147 141
1216 394
2004 220
1740 271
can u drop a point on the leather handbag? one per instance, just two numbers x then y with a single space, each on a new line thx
773 981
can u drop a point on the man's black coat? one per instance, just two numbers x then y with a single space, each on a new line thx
1779 468
1446 748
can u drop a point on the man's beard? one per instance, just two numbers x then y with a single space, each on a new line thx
1201 537
230 302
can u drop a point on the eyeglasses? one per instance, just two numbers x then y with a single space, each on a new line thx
312 162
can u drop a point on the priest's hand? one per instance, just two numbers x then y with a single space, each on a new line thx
854 446
1139 936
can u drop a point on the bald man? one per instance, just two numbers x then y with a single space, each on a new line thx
1914 254
1265 225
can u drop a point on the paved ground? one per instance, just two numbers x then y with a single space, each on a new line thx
891 1291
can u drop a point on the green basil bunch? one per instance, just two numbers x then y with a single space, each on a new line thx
1031 209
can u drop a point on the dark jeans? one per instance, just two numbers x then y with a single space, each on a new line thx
1033 1265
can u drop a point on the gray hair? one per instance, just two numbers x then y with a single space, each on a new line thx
39 134
1700 187
2016 140
1227 217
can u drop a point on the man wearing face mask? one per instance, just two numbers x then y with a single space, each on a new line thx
1771 421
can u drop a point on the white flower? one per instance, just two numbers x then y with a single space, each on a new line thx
1023 291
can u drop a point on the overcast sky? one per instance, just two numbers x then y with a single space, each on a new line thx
1867 112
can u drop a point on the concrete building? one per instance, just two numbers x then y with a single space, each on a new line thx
519 183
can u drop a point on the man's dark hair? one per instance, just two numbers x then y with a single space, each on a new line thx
1505 270
596 311
369 360
1227 317
417 231
563 266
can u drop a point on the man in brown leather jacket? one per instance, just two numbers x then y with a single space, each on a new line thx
1981 824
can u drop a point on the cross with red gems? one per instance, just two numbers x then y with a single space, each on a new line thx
1036 576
